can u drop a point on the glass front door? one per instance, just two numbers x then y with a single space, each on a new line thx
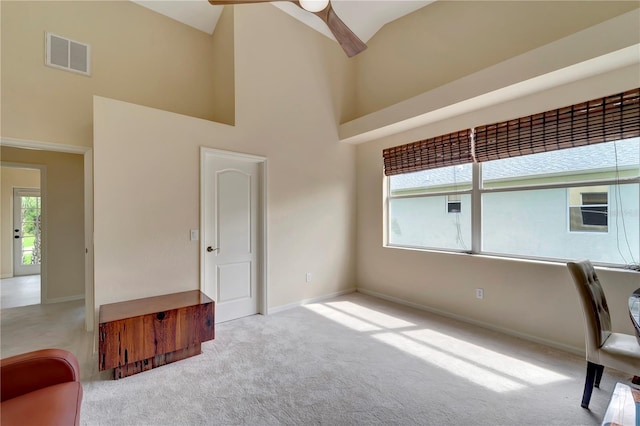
27 248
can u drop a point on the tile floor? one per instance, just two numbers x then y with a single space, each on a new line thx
19 291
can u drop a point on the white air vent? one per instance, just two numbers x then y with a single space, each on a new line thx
66 54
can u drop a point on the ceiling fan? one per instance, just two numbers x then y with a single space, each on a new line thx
347 39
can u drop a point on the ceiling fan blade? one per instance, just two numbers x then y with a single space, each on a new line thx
347 39
229 2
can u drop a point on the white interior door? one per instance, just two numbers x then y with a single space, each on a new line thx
230 243
27 235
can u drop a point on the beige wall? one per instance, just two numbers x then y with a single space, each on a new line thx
448 40
287 109
11 177
532 299
63 205
137 55
292 86
224 100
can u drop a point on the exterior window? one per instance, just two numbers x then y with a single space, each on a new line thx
573 203
589 209
525 200
557 185
454 203
416 217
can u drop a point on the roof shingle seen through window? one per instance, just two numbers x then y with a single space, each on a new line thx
599 157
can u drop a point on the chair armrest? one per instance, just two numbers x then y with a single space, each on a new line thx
28 372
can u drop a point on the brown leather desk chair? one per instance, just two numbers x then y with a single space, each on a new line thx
604 348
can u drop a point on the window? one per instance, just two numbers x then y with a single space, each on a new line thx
454 203
525 201
416 216
589 209
526 198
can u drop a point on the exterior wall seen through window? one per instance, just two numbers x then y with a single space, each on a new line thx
569 204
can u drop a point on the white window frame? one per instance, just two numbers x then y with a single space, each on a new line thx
457 200
582 205
446 193
476 214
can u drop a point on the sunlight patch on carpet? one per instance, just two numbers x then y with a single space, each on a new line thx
495 361
342 318
477 364
370 315
454 365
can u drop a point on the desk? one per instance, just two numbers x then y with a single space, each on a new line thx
634 311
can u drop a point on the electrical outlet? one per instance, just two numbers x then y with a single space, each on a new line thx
479 293
308 277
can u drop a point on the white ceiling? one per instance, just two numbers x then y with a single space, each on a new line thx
363 17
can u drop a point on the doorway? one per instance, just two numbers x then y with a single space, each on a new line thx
22 233
233 240
17 153
27 231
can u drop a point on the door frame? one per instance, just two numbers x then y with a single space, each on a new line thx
261 256
43 221
87 153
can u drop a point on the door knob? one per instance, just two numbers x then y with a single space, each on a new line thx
210 249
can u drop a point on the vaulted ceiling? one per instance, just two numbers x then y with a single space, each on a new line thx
363 17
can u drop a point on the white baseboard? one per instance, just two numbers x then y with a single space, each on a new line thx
509 332
64 299
307 301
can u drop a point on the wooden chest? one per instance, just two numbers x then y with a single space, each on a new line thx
142 334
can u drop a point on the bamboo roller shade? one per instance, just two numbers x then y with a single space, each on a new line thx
600 120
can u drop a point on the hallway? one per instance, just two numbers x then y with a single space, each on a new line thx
19 291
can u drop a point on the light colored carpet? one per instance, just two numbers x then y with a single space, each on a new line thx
352 360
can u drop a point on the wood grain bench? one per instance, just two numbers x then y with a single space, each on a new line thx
138 335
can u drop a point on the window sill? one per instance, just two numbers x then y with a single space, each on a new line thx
550 262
